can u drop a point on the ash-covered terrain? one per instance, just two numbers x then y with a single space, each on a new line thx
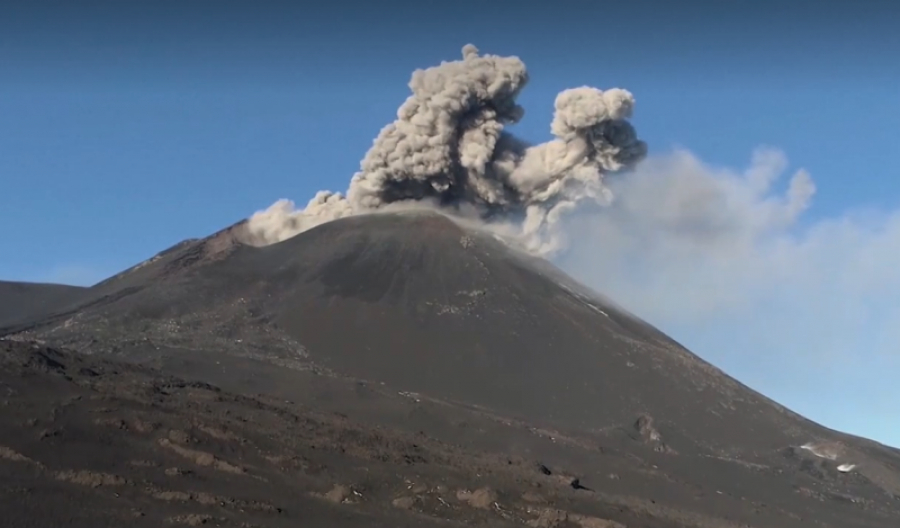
396 369
402 356
24 300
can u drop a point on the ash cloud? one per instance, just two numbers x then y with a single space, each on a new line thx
733 263
448 148
727 260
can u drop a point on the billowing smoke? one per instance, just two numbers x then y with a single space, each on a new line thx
448 148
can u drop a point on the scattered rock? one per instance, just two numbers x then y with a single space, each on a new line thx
576 484
549 518
481 498
172 496
41 361
418 488
404 503
205 499
179 437
595 522
50 433
219 434
533 498
201 458
89 372
144 427
143 463
192 519
9 454
645 427
115 423
90 478
338 494
553 518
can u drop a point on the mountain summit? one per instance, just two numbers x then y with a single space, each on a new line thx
424 304
419 323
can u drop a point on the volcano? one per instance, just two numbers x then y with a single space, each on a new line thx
23 301
539 401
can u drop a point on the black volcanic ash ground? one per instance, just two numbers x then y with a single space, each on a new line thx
396 369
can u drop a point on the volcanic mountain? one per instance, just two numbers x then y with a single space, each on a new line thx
24 300
415 324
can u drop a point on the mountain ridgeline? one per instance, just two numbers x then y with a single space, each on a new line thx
468 328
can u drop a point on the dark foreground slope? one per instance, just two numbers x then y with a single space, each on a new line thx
412 322
24 301
90 443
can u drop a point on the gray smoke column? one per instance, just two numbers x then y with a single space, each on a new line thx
448 148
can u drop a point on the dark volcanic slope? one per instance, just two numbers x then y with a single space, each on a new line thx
419 303
24 301
22 305
89 443
496 351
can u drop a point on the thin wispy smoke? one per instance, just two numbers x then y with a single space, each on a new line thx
448 148
688 240
732 263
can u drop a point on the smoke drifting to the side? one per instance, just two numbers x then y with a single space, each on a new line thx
734 263
448 148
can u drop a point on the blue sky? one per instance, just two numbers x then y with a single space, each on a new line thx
126 129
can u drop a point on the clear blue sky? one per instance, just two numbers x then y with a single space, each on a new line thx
126 128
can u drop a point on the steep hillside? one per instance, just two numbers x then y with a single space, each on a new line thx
24 301
495 351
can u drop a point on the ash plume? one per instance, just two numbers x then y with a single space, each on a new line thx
448 149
